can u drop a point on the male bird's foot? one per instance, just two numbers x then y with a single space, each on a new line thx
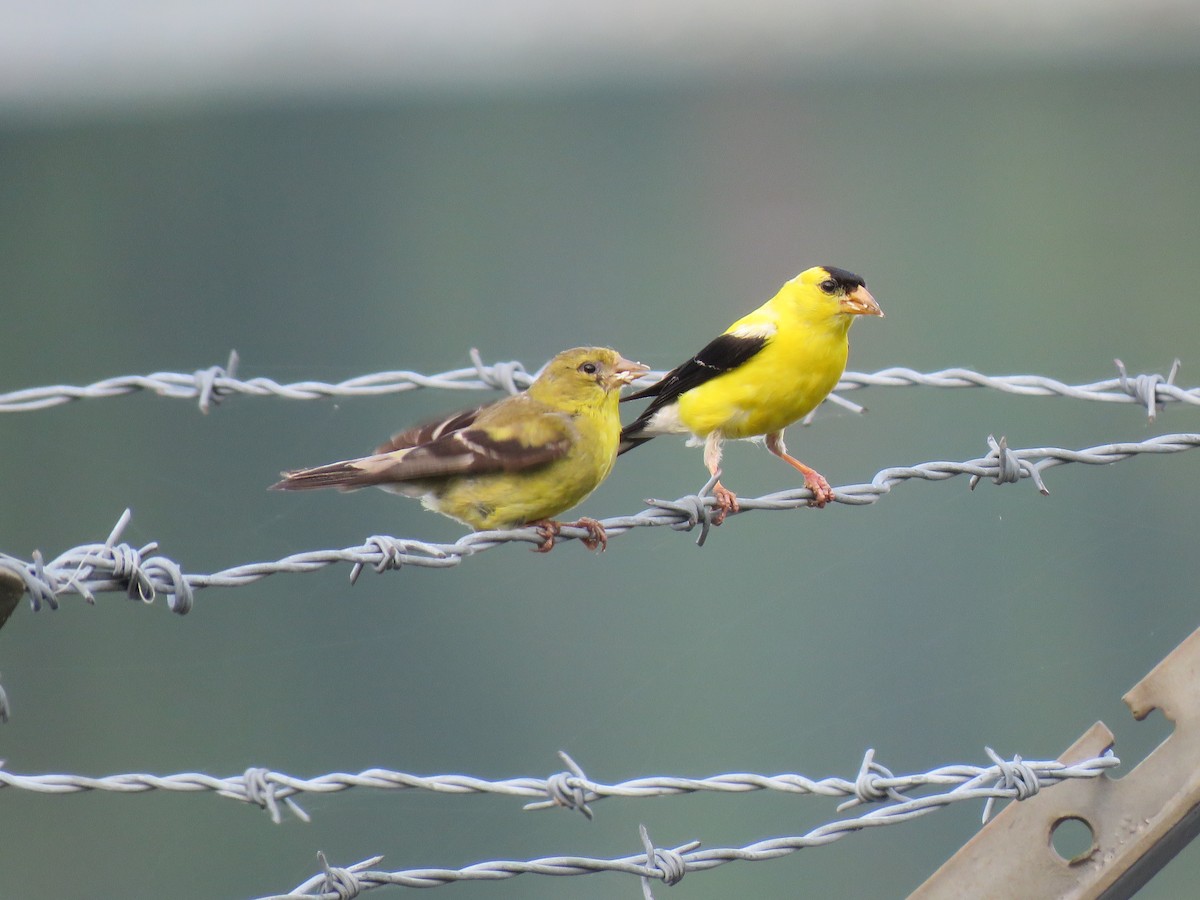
822 492
813 480
726 502
597 537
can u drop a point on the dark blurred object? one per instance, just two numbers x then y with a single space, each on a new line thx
11 591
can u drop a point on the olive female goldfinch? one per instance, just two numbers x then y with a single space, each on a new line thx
769 369
519 461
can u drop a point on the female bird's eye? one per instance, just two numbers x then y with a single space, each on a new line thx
588 368
829 286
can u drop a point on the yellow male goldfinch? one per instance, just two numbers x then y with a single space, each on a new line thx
518 461
769 369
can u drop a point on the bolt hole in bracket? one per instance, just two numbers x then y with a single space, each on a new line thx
1073 839
1101 837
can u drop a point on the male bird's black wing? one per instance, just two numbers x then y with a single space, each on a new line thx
719 356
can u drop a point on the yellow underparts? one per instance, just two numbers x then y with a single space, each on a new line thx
781 384
510 500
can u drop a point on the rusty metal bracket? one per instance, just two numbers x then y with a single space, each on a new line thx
1138 823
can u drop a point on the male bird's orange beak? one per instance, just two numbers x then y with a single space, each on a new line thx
859 302
625 372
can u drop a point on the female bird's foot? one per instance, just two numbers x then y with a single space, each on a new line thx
822 492
597 537
726 502
549 529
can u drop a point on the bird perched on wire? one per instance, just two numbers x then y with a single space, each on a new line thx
769 369
519 461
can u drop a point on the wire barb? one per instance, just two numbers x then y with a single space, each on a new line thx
668 865
1016 776
259 788
695 509
873 784
343 882
1010 468
1145 388
567 789
507 376
211 382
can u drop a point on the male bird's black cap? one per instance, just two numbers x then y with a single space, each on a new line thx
847 281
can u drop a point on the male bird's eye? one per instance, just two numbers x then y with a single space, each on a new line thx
829 286
588 368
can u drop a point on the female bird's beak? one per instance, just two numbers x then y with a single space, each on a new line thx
625 372
859 302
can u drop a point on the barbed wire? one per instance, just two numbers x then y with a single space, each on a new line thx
115 566
569 789
144 574
209 386
1004 780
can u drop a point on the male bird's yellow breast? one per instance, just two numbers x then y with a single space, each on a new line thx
801 363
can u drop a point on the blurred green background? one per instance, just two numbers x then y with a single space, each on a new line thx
1013 214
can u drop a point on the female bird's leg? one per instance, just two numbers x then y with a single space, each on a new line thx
550 529
597 537
813 480
726 499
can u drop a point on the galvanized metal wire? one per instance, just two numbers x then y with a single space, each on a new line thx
209 386
1004 780
144 575
569 789
874 785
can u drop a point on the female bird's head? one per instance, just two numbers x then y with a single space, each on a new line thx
829 290
585 372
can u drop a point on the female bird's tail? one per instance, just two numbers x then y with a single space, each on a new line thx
348 475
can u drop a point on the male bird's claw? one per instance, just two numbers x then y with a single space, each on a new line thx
822 492
726 502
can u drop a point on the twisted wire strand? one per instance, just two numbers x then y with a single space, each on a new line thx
992 783
264 788
209 386
115 566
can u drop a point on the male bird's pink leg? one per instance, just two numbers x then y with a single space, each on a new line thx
726 499
813 480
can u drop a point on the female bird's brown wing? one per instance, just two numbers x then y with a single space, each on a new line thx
719 356
430 431
450 446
